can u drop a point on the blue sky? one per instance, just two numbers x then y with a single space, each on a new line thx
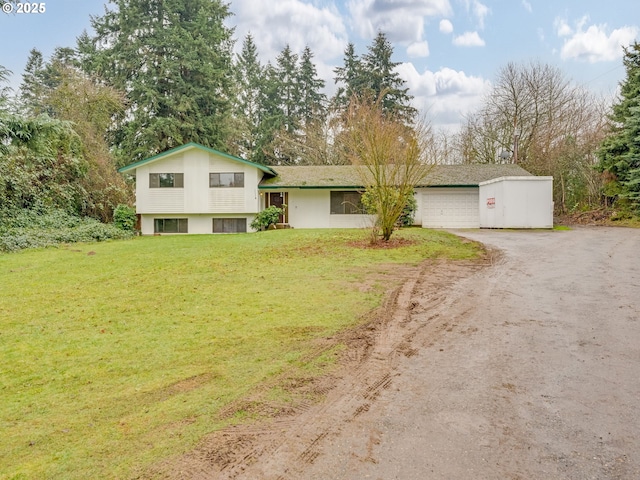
450 50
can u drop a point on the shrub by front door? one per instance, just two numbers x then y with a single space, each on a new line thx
278 199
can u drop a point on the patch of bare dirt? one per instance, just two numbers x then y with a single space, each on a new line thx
290 434
394 242
598 217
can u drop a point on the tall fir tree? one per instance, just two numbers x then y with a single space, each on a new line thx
292 109
289 92
247 100
32 88
40 78
371 77
619 154
313 101
5 90
173 59
271 116
349 78
382 79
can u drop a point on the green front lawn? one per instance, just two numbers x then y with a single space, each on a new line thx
115 355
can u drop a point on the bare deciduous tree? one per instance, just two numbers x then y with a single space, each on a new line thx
534 116
391 157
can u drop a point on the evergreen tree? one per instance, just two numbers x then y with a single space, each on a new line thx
41 165
312 106
289 94
373 77
40 78
247 103
350 77
5 90
619 154
280 105
272 118
32 87
174 61
382 81
294 108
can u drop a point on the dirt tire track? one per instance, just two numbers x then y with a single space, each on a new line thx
282 447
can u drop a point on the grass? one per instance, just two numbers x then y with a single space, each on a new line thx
118 354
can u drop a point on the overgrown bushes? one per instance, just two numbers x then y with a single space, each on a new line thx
36 229
124 217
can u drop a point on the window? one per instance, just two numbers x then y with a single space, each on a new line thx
229 225
166 180
217 180
346 203
170 225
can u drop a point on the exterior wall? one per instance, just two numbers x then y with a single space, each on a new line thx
311 208
196 196
517 202
449 207
198 224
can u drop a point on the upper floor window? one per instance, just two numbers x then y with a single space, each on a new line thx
166 180
226 180
346 203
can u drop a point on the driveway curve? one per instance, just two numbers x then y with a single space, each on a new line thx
536 376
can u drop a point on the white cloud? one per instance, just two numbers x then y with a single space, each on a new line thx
478 10
562 27
418 49
292 22
445 96
446 26
527 6
402 21
468 39
594 44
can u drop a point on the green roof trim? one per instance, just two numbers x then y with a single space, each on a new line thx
190 145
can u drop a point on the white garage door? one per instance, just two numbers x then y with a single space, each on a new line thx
450 208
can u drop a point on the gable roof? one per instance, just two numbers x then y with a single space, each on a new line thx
188 146
348 176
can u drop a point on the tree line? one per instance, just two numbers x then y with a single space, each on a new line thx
155 75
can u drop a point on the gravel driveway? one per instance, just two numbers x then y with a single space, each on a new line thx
537 378
528 368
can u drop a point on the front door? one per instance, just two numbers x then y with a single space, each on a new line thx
279 199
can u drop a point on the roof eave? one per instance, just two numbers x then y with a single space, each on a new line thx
190 145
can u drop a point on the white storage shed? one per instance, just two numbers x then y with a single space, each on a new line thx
516 202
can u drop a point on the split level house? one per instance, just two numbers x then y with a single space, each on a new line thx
196 189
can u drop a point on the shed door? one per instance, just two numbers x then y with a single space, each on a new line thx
451 208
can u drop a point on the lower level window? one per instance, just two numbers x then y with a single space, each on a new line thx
229 225
171 225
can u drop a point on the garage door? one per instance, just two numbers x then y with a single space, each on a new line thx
450 208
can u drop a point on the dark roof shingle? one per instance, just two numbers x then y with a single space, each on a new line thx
348 176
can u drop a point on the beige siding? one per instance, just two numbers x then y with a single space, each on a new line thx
197 197
311 208
227 200
351 221
308 208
